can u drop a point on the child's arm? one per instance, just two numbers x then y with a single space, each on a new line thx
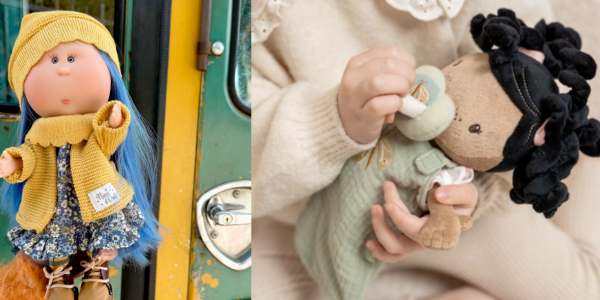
17 164
303 132
110 126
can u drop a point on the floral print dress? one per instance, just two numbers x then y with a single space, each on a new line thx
66 232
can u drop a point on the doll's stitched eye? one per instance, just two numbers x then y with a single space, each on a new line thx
475 128
71 59
55 60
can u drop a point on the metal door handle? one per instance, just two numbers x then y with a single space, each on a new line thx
227 218
224 223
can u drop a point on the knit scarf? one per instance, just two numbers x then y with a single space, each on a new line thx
57 131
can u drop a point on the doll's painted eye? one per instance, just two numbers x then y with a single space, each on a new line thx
55 60
475 128
71 59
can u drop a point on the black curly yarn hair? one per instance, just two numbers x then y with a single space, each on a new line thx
538 171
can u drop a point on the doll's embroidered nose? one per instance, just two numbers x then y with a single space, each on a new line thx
64 71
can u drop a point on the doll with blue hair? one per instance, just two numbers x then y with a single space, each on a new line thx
80 181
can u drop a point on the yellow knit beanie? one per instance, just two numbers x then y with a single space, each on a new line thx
42 31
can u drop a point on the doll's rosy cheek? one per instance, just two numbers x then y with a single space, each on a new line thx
94 80
39 91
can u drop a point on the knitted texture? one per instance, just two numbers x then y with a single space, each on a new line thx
336 223
93 142
41 32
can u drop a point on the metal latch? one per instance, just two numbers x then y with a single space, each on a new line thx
224 217
218 215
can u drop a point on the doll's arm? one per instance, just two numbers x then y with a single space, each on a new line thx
24 158
299 145
110 138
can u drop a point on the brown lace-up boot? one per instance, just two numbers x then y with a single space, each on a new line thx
95 284
60 285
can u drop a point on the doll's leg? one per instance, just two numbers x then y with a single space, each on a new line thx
95 284
442 230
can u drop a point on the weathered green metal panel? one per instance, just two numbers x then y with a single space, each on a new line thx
8 132
223 155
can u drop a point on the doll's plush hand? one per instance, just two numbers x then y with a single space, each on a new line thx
116 117
390 247
371 90
9 164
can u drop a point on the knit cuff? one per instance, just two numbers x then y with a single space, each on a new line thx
27 155
327 132
110 138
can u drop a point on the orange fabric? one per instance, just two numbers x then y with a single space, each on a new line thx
22 279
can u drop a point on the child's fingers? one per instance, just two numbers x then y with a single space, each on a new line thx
379 252
389 118
465 195
383 65
379 107
385 235
407 223
390 195
378 52
381 84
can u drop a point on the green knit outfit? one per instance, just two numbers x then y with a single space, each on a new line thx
335 225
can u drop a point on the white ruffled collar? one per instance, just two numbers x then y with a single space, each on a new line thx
266 17
428 10
266 14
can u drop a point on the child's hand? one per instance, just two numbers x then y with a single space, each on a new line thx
9 164
390 247
116 117
371 90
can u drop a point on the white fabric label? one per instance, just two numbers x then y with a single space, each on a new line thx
104 197
458 175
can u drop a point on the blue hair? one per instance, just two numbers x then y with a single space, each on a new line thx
135 160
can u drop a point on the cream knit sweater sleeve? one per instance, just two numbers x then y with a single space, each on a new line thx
298 143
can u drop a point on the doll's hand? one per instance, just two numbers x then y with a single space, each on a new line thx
9 164
116 117
371 90
390 247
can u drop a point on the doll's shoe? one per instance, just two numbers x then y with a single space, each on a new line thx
95 284
60 285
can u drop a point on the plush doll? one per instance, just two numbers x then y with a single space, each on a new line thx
494 111
80 181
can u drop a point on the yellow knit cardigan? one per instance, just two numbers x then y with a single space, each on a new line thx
92 143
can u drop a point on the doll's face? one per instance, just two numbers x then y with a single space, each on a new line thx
485 115
70 79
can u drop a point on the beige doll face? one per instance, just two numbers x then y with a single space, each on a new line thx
485 115
70 79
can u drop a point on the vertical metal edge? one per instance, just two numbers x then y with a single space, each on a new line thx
119 30
204 43
163 67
